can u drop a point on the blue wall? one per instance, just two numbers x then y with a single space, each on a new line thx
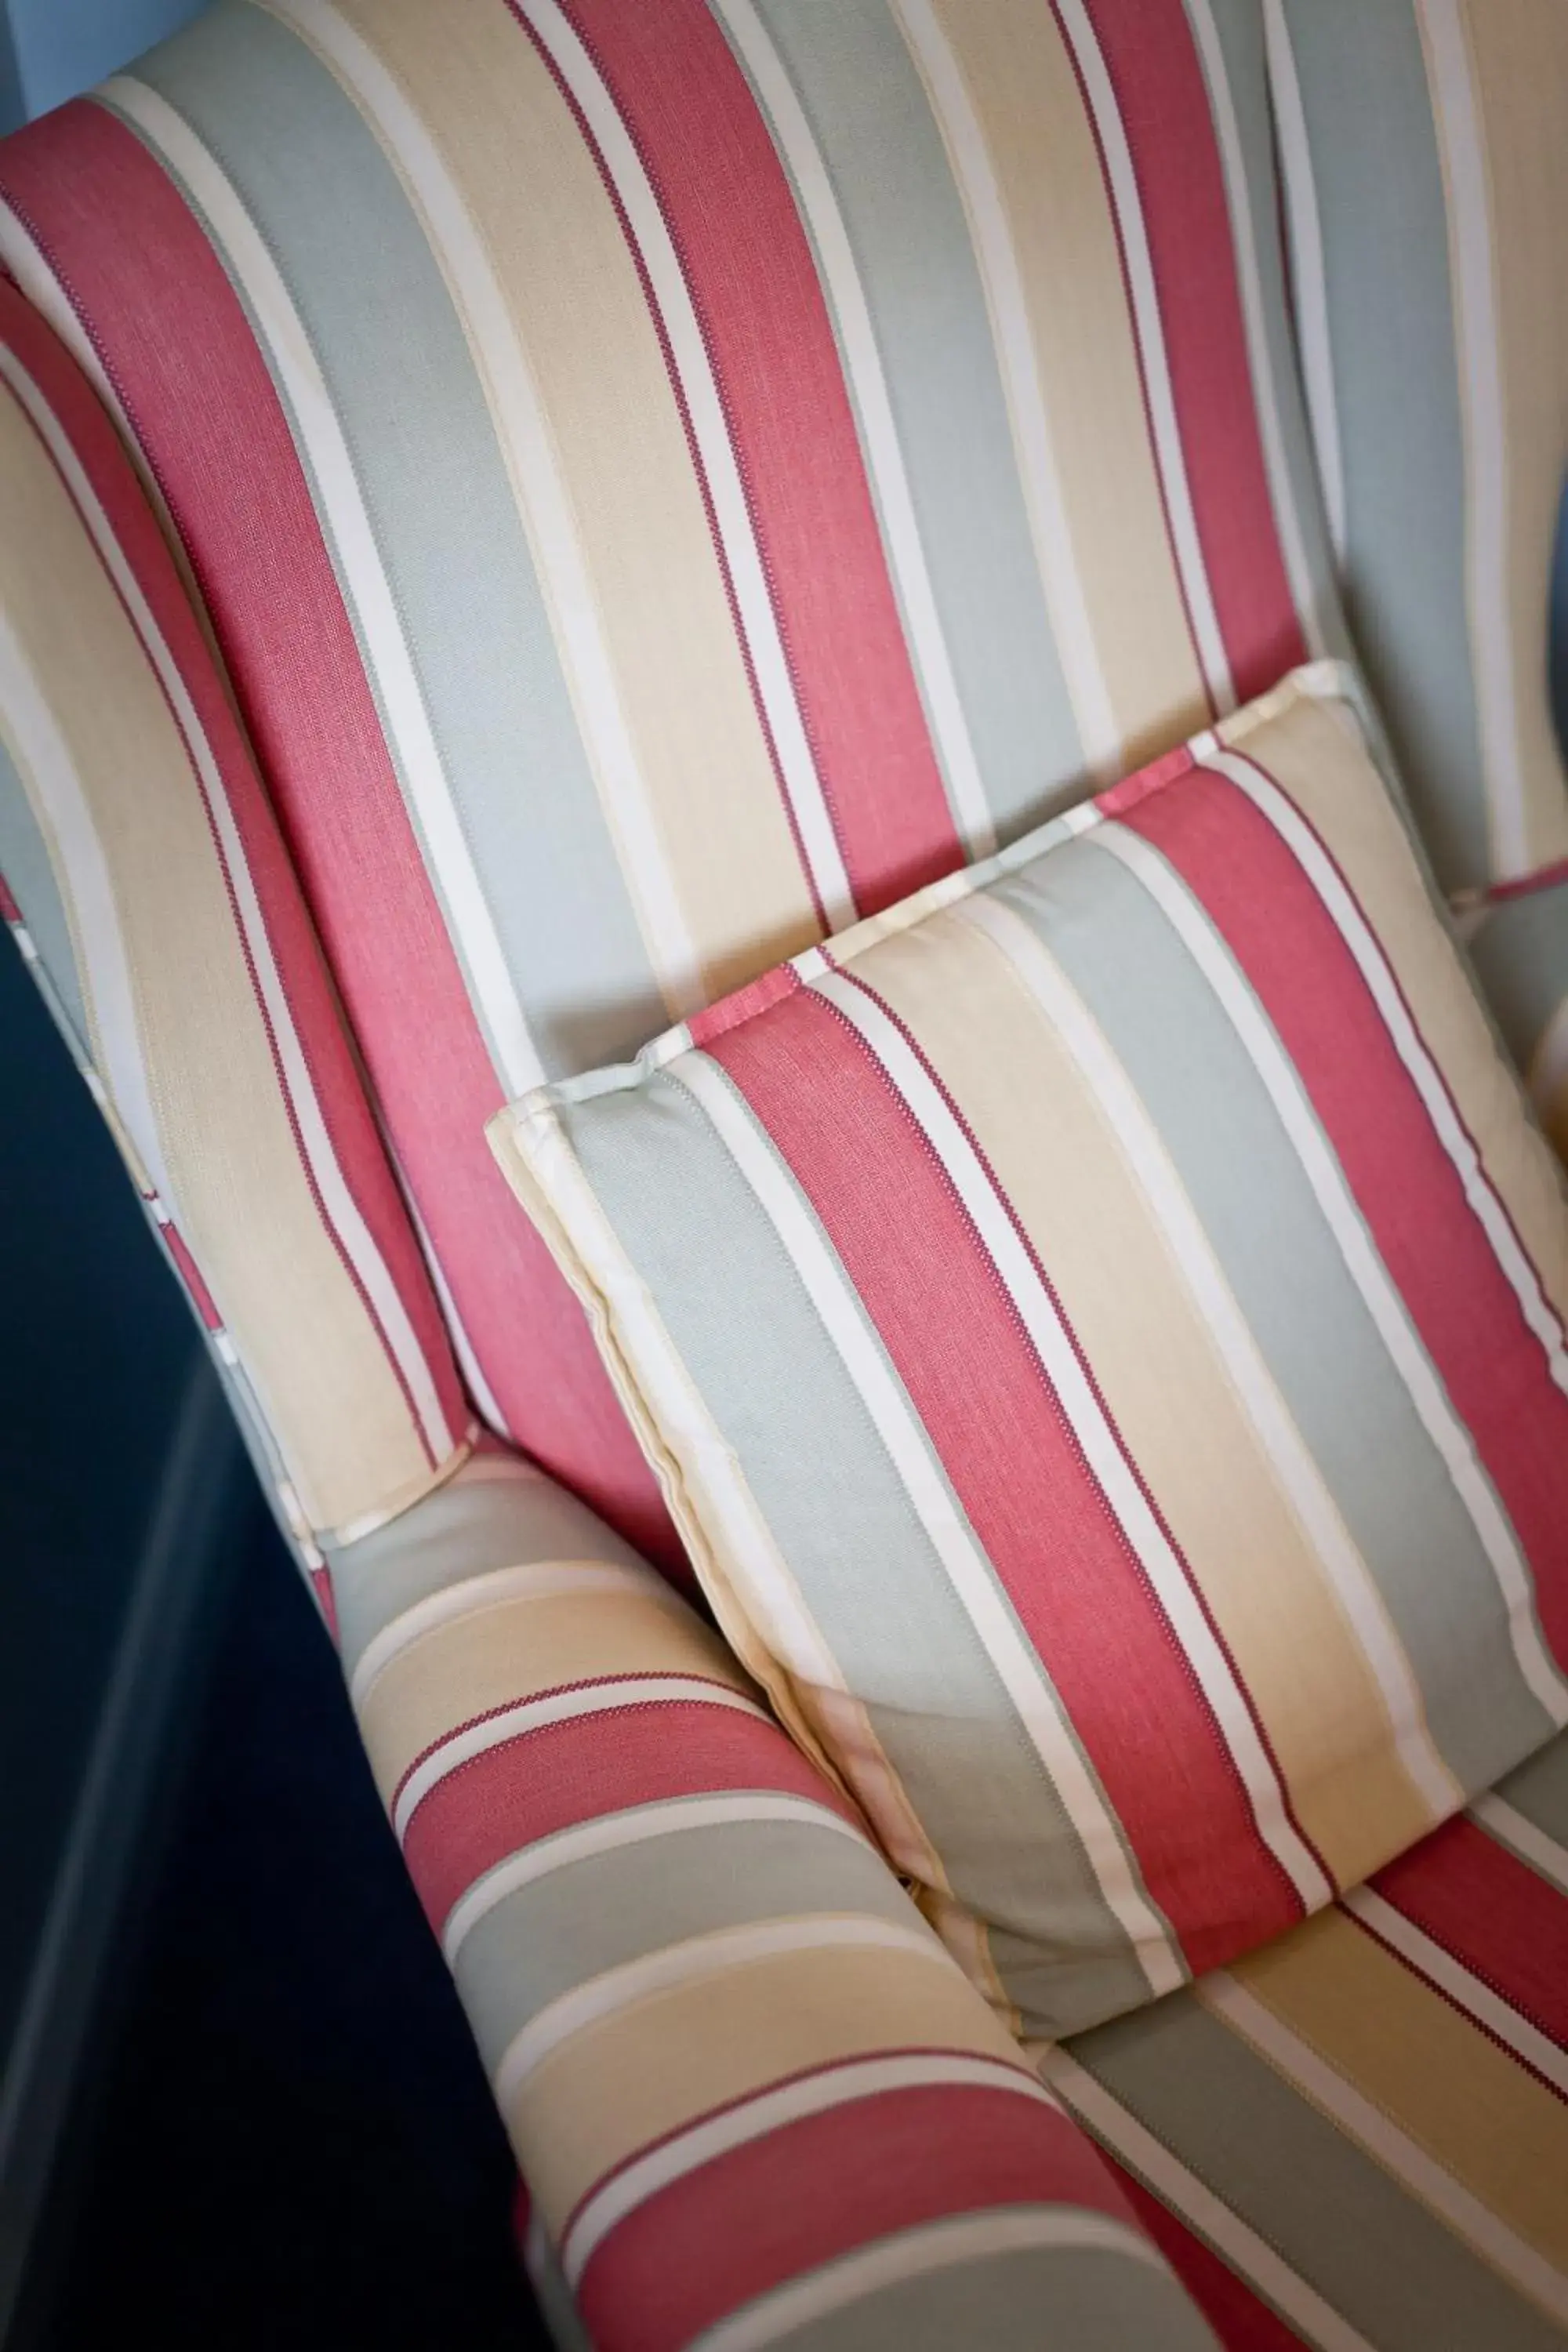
55 47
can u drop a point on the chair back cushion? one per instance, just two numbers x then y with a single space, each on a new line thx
668 481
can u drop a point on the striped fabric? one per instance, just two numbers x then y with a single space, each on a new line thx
1521 954
1359 2137
755 2100
669 479
1426 177
146 884
1101 1324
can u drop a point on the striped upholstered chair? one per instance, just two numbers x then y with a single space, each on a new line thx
517 515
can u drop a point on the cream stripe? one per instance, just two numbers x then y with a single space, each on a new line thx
1308 279
610 1832
1277 1436
725 1949
1288 522
864 368
45 758
1080 34
559 1707
1464 1989
295 366
970 1572
1372 963
338 1204
522 436
1103 1454
768 2111
1366 1270
1070 625
1393 2149
1479 359
1510 1827
1186 2195
802 783
531 1580
915 2253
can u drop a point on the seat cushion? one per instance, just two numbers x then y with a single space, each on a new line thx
668 479
1359 2137
1101 1327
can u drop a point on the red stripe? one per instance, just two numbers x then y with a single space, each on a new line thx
525 1788
748 265
1495 1371
302 975
1241 2319
1163 102
815 2189
174 341
9 910
191 1275
1492 1914
906 1242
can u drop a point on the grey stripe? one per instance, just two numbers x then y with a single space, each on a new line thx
1255 1203
1539 1791
571 1926
868 113
1521 955
1332 2213
25 863
412 411
817 1468
1392 331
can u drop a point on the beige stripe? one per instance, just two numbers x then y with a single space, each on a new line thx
172 1013
1127 1288
494 1657
1433 2100
1020 83
1497 76
752 2119
1311 745
534 1580
627 2081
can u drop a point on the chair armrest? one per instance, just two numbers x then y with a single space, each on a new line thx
751 2094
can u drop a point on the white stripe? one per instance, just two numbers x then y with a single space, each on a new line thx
1510 1827
1547 1076
802 783
917 2253
754 2118
863 367
1107 1462
526 444
1309 279
1248 2254
1480 357
45 759
1429 1082
1280 1439
1366 1270
1463 1987
713 1955
1170 458
970 1572
559 1707
338 1203
525 1580
309 402
1463 2212
1282 497
636 1826
1059 573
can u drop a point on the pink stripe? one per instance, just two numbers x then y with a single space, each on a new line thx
1163 102
1433 1245
9 910
906 1241
176 344
637 1753
1492 1914
749 268
813 2191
